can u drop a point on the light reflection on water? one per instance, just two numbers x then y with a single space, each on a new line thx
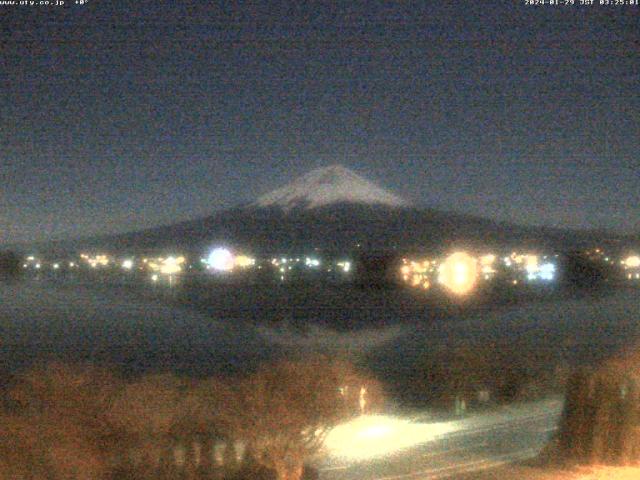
161 280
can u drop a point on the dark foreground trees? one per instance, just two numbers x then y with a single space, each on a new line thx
9 265
284 411
84 423
54 425
601 419
479 373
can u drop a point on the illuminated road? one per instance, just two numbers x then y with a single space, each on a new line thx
441 450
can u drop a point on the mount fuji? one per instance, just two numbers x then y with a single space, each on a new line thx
334 209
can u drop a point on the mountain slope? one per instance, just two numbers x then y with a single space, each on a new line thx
334 209
338 228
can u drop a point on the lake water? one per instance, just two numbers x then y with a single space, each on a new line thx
79 321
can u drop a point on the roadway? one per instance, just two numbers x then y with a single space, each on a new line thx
386 448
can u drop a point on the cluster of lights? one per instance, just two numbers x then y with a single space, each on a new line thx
545 272
598 253
244 261
219 259
345 266
534 267
283 265
166 266
487 265
96 260
32 261
528 262
632 267
312 262
172 265
223 260
308 261
418 273
460 272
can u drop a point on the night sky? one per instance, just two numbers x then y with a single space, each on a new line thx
124 114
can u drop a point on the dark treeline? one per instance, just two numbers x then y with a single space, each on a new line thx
89 423
9 265
601 421
482 373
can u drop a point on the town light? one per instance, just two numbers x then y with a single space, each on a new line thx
633 261
311 262
171 265
127 264
220 259
487 260
346 266
244 261
546 272
531 263
458 273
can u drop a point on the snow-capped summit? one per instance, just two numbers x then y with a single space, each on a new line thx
327 185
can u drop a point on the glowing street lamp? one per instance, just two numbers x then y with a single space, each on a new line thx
633 261
220 259
458 273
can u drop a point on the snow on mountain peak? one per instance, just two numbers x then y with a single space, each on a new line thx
324 186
